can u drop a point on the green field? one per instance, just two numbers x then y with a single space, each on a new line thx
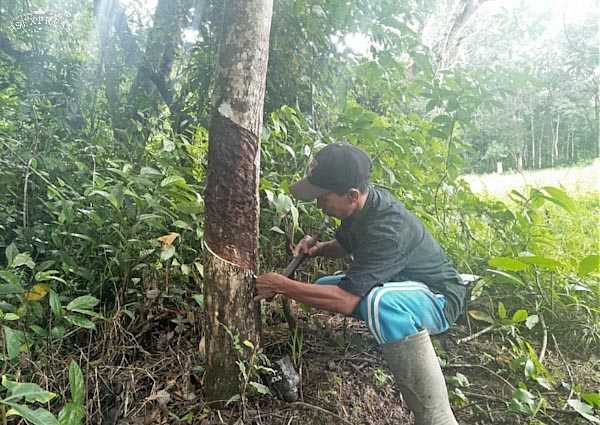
577 180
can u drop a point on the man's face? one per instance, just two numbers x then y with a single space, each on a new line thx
340 206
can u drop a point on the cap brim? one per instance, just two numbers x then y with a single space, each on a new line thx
306 191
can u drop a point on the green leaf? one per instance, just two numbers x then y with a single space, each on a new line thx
9 277
584 410
295 214
522 401
87 313
508 276
55 305
199 298
10 253
11 317
501 311
277 229
542 376
519 316
589 264
23 259
35 417
592 399
80 321
48 275
167 252
481 316
173 180
260 388
543 262
14 341
182 225
149 171
108 196
58 331
506 263
71 414
532 321
76 383
149 217
560 198
31 392
11 289
85 302
530 371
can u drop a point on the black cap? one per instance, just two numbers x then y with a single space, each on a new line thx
338 168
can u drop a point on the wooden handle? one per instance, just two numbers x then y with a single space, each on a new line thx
299 259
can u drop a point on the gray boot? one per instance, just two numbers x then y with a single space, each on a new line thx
418 374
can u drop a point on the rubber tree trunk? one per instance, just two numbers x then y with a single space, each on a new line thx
231 197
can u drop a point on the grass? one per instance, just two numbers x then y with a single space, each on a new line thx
575 180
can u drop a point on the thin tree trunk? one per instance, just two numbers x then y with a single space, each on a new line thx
554 152
597 116
541 143
231 197
532 143
464 10
572 146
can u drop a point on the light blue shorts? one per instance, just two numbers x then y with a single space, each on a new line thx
398 310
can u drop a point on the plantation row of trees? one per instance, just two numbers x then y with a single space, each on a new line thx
518 88
546 78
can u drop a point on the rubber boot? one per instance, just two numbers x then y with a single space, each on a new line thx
415 366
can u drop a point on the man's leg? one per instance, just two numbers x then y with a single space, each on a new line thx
417 372
401 316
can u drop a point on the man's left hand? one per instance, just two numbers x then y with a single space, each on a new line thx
268 285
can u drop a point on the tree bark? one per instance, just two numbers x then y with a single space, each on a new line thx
231 197
464 10
155 67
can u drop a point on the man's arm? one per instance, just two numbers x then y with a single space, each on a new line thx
326 297
331 249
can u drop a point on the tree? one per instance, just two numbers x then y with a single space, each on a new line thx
231 197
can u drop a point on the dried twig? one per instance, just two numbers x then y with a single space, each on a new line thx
544 340
571 379
476 334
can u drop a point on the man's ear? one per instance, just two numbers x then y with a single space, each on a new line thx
353 194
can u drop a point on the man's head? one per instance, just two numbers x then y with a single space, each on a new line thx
338 178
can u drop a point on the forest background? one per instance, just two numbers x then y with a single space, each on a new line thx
104 116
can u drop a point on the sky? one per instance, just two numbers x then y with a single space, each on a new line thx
562 11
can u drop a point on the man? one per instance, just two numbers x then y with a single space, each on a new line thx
400 282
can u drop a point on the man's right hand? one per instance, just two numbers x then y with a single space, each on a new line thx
309 246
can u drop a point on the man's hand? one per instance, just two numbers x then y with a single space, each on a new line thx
308 245
268 285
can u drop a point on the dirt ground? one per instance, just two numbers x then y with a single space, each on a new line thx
153 375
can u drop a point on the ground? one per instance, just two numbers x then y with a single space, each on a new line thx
150 372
